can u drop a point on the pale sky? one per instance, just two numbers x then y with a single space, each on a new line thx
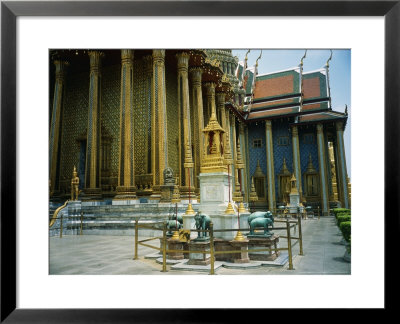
339 75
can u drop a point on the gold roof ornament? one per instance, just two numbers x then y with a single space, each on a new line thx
258 59
330 58
302 59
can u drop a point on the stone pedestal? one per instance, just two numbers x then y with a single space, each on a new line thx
243 255
199 258
214 193
294 202
264 243
175 245
166 193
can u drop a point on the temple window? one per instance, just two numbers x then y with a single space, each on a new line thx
283 141
257 142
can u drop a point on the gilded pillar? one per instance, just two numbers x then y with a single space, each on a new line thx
93 176
342 168
323 172
184 111
126 175
56 123
196 74
244 171
296 160
237 195
148 64
221 109
270 165
159 120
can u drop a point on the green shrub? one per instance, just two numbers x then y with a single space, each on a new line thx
336 211
348 247
343 218
345 227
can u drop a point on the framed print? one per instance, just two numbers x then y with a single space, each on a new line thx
32 31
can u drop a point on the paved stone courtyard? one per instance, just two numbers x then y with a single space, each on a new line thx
113 255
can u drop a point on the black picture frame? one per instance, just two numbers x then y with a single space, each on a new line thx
10 10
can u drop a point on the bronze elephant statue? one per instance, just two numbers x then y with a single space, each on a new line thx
260 214
173 217
203 222
261 222
172 225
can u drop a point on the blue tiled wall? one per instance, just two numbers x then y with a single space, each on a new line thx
257 131
306 149
281 128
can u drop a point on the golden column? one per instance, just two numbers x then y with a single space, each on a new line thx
126 173
56 122
159 121
228 160
148 64
184 109
236 192
221 108
323 172
270 165
93 176
243 146
296 160
342 168
196 74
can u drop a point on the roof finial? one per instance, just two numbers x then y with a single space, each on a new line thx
330 58
345 111
302 59
258 59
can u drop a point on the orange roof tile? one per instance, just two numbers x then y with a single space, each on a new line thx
274 87
311 88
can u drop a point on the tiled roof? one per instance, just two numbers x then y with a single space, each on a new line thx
321 116
272 112
277 84
274 103
315 106
314 85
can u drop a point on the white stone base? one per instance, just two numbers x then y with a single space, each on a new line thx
125 202
92 203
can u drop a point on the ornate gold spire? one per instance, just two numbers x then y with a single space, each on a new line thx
310 166
293 186
213 160
285 169
239 161
176 197
253 193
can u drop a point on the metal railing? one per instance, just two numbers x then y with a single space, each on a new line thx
164 250
162 226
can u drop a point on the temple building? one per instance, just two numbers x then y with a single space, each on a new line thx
123 117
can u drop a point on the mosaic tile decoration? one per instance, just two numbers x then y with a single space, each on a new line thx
281 129
74 124
172 124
